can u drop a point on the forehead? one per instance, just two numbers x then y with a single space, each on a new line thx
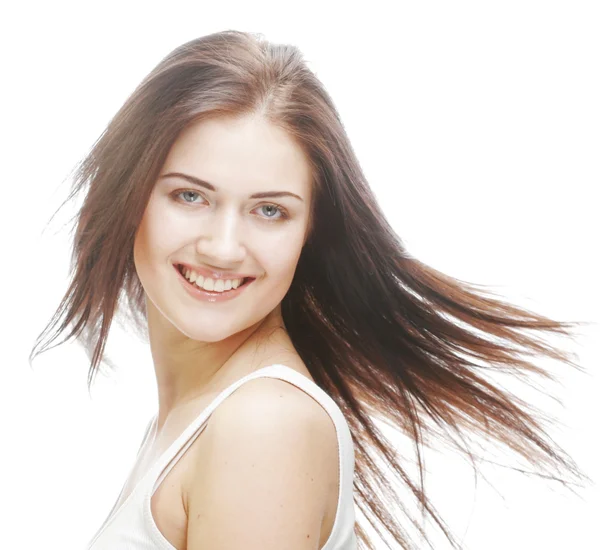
245 154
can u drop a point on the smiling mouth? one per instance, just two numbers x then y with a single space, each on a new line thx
228 286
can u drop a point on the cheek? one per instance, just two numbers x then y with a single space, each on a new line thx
279 263
142 258
150 243
158 234
140 247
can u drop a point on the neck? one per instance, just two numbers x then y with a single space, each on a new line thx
187 370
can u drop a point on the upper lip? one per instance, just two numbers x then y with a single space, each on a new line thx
211 273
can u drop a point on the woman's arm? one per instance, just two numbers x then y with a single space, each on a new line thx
267 465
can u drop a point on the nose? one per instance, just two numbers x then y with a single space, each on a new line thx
219 242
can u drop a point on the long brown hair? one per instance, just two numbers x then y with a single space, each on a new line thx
386 336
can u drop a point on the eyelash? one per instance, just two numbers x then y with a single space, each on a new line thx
282 211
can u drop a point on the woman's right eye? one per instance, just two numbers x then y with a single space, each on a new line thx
186 193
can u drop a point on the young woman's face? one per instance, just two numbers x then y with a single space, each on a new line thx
224 229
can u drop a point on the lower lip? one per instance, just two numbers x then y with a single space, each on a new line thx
207 295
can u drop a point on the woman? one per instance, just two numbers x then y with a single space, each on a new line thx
227 216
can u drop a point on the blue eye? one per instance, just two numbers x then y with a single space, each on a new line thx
282 213
274 208
179 193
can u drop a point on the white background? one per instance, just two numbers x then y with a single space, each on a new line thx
478 127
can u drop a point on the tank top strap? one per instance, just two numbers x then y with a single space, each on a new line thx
169 458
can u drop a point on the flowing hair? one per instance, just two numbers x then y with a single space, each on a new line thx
389 338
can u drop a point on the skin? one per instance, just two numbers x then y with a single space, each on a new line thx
199 348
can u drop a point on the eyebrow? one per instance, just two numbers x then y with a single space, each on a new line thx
201 183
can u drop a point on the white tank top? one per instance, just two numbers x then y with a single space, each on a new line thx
132 527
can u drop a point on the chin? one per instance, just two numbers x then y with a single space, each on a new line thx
214 331
213 335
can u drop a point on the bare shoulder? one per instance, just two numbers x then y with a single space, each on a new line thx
281 408
272 401
275 392
269 459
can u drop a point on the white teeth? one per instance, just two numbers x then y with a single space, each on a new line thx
209 284
218 285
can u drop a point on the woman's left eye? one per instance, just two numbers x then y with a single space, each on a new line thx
274 208
282 213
